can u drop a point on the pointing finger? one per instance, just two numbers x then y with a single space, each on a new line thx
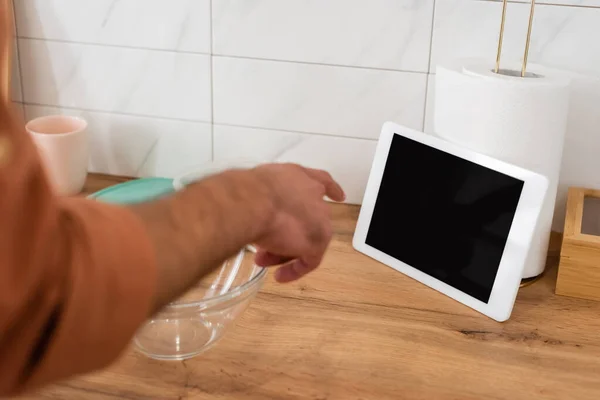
333 190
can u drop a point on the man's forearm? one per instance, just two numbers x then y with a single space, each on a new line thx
200 227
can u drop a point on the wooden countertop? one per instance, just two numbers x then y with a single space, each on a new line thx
356 329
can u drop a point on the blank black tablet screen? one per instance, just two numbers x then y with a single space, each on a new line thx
443 215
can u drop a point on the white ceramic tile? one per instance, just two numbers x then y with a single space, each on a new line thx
392 34
581 155
586 3
231 143
352 102
348 160
430 105
563 37
140 146
19 108
160 24
15 89
112 79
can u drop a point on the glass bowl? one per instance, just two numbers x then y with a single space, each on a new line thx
196 321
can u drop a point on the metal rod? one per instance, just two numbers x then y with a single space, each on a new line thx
501 36
528 41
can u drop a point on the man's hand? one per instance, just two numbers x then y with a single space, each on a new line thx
278 207
300 230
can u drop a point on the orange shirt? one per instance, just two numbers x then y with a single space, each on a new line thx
77 277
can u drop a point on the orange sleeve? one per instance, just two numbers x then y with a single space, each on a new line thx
77 277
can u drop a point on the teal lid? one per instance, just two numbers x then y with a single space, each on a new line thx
136 191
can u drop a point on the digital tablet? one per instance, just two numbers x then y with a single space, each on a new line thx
453 219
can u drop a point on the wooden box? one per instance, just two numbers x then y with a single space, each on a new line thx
579 267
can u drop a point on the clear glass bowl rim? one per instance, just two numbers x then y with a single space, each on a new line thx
207 303
179 184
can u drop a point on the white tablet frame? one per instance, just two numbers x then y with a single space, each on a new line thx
516 251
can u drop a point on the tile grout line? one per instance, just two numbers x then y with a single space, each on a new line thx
212 85
195 121
19 64
111 45
123 113
274 60
213 55
429 65
431 37
320 134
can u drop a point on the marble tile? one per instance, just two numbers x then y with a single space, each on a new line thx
430 105
341 101
182 25
15 88
111 79
348 160
393 34
261 145
20 109
139 146
563 37
584 3
581 161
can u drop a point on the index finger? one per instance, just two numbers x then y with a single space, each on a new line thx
333 190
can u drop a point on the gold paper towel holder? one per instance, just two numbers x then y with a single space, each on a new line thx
524 73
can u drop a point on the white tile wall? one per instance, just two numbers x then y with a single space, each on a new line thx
349 160
392 34
561 37
139 146
16 89
307 81
584 3
429 106
581 160
114 79
182 25
20 109
315 98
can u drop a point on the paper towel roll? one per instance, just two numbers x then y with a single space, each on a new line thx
521 121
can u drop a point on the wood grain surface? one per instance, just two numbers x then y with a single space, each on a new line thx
579 273
356 329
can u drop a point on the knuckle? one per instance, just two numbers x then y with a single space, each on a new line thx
320 188
315 235
321 233
327 176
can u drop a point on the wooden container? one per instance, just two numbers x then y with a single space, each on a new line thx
579 267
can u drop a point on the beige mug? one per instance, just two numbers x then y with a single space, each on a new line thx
63 146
